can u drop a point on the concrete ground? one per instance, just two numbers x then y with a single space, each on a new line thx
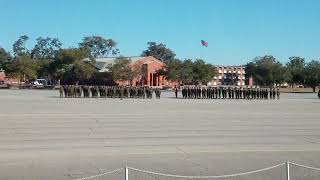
45 137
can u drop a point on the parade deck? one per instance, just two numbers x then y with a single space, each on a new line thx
43 136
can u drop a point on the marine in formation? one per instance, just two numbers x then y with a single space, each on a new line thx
73 91
198 92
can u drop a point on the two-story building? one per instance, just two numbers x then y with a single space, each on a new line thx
229 75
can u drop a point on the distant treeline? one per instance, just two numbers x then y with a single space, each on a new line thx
76 65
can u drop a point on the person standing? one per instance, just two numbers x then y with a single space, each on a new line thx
273 93
159 93
216 92
270 93
121 92
61 91
229 92
278 94
176 91
232 93
144 92
183 91
203 92
151 92
189 92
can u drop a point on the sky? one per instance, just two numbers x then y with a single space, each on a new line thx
237 30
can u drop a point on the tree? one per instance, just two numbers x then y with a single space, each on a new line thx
78 71
100 78
72 66
181 71
250 70
296 70
280 74
19 46
159 51
188 72
99 46
46 48
23 67
121 69
203 72
5 57
312 73
173 70
44 70
266 71
139 71
263 71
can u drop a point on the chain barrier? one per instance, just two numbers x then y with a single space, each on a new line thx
207 177
198 177
99 175
303 166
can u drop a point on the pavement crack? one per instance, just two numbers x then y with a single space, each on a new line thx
96 167
187 158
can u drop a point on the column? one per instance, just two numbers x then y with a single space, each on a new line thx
151 79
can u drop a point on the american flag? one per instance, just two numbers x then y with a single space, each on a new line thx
204 43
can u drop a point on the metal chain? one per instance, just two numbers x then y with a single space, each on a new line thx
206 177
98 175
198 177
303 166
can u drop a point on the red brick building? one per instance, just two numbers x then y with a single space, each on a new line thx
148 68
2 76
7 79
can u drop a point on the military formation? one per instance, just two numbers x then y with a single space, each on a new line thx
72 91
188 92
198 92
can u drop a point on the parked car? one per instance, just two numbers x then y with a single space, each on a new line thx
39 82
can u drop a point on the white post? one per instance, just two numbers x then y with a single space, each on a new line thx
288 170
126 173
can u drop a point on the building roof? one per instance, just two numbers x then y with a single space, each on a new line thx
112 59
229 66
103 63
